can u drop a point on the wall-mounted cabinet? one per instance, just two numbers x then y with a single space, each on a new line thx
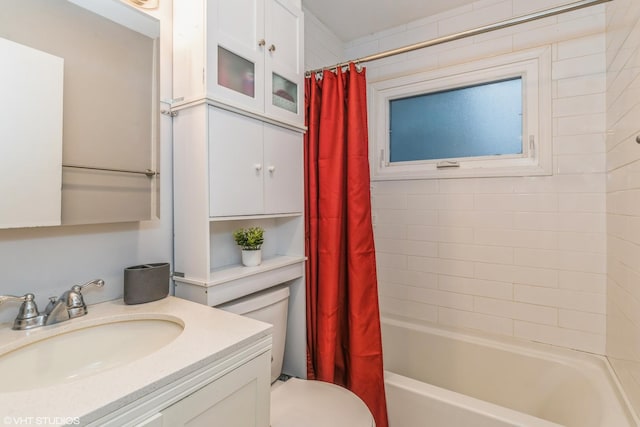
261 161
232 171
80 145
245 54
238 153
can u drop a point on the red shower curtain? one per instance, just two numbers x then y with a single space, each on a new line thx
343 326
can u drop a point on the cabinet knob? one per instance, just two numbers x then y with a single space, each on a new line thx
261 42
258 167
271 169
272 48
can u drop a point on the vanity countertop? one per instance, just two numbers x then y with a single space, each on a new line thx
209 335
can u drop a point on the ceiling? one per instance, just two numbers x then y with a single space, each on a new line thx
351 19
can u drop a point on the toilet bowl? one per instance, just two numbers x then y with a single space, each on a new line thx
297 402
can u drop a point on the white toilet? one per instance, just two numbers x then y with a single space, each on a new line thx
297 402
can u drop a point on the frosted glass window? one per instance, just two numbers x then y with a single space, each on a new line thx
479 120
285 93
235 72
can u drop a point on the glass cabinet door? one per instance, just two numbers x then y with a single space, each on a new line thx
284 93
236 73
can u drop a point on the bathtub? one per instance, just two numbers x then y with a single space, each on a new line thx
442 378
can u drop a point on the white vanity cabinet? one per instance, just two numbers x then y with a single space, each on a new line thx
239 398
243 53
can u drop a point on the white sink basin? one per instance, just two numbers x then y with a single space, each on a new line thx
83 352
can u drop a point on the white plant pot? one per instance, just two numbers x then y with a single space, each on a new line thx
251 258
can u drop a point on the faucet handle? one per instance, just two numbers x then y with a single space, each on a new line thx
75 302
23 298
95 282
28 315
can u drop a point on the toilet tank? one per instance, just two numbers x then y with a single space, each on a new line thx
269 306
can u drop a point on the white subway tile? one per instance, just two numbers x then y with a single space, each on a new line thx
581 281
441 266
391 260
583 242
441 234
580 66
488 219
389 231
390 216
561 260
535 202
407 247
561 298
389 201
593 343
477 321
583 46
580 163
432 297
477 50
469 286
579 105
581 125
583 202
583 85
581 321
407 277
420 217
516 238
579 144
414 310
517 310
476 18
517 274
491 254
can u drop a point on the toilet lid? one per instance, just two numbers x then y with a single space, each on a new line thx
305 403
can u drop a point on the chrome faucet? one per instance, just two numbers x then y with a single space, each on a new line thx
28 316
68 306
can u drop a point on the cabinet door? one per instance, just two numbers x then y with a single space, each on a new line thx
235 52
238 399
284 66
283 181
235 164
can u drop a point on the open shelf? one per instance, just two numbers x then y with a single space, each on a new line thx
234 281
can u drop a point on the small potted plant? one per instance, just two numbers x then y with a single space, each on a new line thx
250 240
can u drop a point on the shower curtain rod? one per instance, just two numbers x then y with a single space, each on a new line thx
468 33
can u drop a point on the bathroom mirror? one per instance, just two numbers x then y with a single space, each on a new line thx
110 110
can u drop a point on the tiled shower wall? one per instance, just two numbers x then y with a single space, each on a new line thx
623 194
514 256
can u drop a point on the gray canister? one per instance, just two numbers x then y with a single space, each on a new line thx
146 282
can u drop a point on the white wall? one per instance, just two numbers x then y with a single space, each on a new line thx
49 260
522 257
321 46
623 194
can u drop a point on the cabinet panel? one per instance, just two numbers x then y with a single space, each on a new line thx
284 65
283 183
31 128
238 399
234 53
239 22
235 164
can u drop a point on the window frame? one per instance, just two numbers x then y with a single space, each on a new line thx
534 67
